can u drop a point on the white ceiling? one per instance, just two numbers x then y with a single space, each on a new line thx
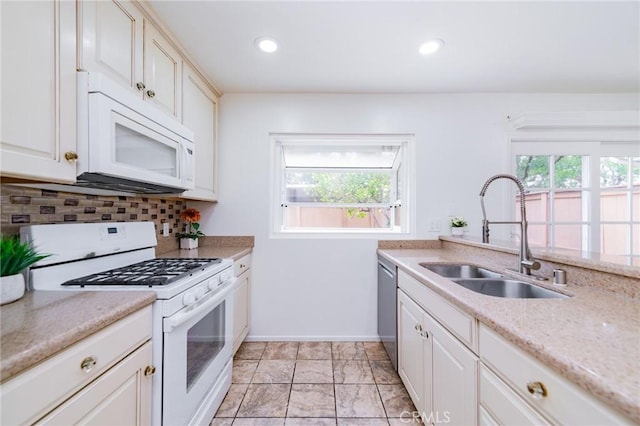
372 47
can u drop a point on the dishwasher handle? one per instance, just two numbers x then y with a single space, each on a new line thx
387 270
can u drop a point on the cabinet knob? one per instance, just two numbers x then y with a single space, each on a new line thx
88 363
70 156
418 328
151 93
140 85
537 389
425 334
149 370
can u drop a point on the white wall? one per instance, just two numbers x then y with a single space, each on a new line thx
326 288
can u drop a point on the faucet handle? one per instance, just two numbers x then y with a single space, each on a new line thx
530 264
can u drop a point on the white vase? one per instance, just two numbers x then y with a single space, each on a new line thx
457 231
11 288
188 243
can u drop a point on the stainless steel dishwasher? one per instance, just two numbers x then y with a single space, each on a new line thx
387 307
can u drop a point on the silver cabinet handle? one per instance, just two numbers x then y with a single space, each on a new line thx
151 93
88 363
140 85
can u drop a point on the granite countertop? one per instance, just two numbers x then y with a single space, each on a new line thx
234 253
592 338
43 323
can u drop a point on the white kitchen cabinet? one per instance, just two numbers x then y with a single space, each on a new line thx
200 114
162 72
242 286
117 40
111 40
439 372
530 392
38 106
105 378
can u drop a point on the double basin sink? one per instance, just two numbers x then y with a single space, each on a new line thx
490 283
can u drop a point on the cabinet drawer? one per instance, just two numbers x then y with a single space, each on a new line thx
565 402
462 325
241 265
63 373
505 406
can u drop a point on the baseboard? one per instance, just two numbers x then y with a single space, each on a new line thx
253 338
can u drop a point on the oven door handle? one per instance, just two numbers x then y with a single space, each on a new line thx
170 323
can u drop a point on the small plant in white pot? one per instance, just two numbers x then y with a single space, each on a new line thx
189 238
457 226
15 257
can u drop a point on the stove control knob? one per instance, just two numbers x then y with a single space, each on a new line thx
189 298
213 282
200 291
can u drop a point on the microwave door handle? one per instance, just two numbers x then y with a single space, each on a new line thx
180 318
186 163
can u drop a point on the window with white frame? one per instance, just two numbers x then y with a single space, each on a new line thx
582 195
341 184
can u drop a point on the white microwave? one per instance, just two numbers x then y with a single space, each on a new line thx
127 144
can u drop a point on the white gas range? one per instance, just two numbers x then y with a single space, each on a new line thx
192 317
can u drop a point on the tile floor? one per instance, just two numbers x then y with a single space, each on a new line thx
314 383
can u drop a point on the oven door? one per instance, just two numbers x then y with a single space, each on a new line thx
197 346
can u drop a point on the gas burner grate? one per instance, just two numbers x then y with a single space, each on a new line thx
154 272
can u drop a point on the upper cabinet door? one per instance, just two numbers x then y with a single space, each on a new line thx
38 86
199 113
162 72
112 41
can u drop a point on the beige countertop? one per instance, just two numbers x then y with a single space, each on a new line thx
43 323
592 338
233 253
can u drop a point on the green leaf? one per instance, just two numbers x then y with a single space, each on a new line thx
16 256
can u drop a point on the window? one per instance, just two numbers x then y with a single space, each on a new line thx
341 184
582 195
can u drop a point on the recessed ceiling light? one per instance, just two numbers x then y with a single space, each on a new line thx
431 46
266 44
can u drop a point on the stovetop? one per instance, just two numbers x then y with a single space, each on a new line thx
149 273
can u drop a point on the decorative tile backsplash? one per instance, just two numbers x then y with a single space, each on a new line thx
21 206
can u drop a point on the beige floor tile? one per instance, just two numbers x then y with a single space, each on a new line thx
358 401
362 422
348 350
274 371
311 400
309 422
281 350
313 371
217 421
232 400
384 373
314 350
396 400
375 351
352 371
250 350
405 421
265 400
243 370
258 421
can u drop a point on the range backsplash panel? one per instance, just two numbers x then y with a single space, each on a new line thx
21 206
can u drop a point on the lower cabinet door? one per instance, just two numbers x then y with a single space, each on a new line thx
454 373
121 396
241 310
411 349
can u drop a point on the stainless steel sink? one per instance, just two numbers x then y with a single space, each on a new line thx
508 288
448 270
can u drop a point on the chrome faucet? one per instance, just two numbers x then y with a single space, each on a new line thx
526 263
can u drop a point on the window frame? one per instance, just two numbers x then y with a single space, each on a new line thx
595 134
406 144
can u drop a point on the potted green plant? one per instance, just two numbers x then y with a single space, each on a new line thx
15 257
457 226
189 238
